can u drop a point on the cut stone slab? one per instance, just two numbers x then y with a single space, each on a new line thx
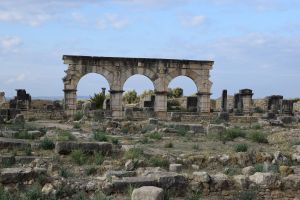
123 184
17 175
7 160
88 147
175 167
148 193
25 159
8 143
202 177
120 174
264 179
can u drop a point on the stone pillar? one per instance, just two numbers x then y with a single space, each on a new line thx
2 98
203 102
246 97
224 101
160 105
116 103
70 101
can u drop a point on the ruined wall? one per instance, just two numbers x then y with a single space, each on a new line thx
260 103
296 107
2 98
230 103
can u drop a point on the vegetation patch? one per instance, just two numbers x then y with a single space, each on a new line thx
241 148
259 137
47 144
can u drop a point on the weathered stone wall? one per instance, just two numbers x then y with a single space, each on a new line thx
230 103
296 107
261 103
35 114
2 98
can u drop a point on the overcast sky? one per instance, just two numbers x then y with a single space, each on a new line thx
254 43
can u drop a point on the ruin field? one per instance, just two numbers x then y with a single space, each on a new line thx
87 158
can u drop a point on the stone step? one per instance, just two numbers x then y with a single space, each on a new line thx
8 143
87 147
18 175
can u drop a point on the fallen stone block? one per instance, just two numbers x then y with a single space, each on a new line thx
8 143
87 147
148 193
123 184
18 175
268 180
175 168
120 174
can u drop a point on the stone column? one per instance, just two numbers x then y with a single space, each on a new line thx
160 106
70 101
246 96
224 101
116 103
203 102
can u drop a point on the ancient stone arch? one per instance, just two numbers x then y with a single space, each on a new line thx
117 70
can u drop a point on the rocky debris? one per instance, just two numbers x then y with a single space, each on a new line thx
220 182
201 177
196 128
129 165
175 117
48 188
153 121
244 159
120 174
195 167
296 157
279 158
18 175
19 120
8 143
148 193
285 170
87 147
275 122
175 168
215 129
7 160
166 180
25 159
291 182
241 181
250 170
287 119
267 180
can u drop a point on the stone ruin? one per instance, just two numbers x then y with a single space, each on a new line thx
2 98
22 101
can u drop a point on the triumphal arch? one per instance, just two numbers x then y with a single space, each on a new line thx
117 70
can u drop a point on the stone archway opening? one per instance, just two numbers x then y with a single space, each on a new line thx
138 96
182 95
94 88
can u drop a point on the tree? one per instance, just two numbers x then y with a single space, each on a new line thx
177 92
130 97
98 100
146 93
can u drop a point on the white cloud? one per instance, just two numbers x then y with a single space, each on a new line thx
193 21
112 21
18 78
9 44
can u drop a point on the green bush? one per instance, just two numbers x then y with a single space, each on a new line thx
247 195
65 136
78 116
241 148
91 170
98 100
28 151
47 144
195 146
65 173
100 136
24 135
258 137
98 158
193 196
115 141
134 153
155 136
79 157
158 162
130 97
231 134
144 140
169 145
76 126
259 167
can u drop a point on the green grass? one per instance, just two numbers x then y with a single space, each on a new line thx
159 162
257 136
169 145
78 116
247 195
65 136
144 140
98 158
155 136
134 153
196 146
233 133
24 135
76 126
28 151
79 157
91 170
241 148
115 141
259 167
100 136
182 132
193 196
47 144
65 173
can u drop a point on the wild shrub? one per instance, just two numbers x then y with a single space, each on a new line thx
169 145
100 136
155 136
79 157
259 137
134 153
47 144
241 148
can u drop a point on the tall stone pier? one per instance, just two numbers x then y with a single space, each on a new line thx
117 70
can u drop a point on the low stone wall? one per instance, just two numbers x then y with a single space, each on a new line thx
243 119
43 114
